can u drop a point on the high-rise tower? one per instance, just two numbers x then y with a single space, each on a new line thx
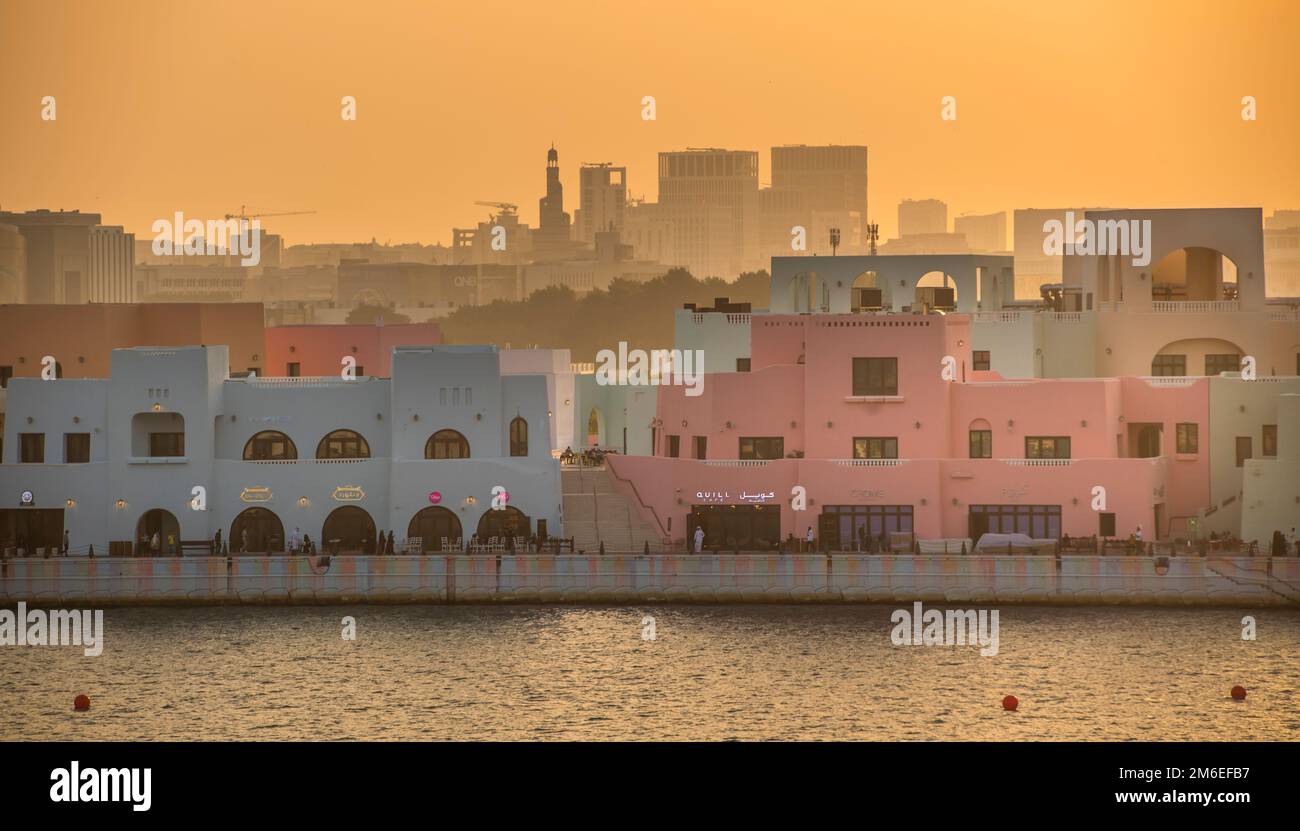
553 225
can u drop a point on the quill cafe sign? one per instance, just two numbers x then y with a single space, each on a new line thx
756 498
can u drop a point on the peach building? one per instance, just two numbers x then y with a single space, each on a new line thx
81 338
885 425
319 350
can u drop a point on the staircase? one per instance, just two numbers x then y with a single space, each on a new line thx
594 513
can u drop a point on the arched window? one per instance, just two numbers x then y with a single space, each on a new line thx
446 444
518 437
343 444
270 445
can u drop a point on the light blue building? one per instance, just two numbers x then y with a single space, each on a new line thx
446 449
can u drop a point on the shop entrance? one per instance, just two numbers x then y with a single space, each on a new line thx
30 529
727 527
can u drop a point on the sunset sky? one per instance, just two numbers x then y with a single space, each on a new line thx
206 106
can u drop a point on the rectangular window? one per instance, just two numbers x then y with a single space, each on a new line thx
293 370
1269 446
866 527
674 448
31 448
76 448
875 376
1036 521
875 447
1214 364
742 364
981 444
166 444
980 359
762 447
6 372
1107 525
1169 365
700 447
1188 438
1047 447
1243 450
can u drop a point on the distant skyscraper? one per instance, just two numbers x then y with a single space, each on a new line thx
922 216
553 226
602 194
112 264
57 253
985 232
829 177
711 198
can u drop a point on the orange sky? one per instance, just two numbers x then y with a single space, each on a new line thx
205 106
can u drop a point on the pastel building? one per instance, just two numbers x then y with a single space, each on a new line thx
169 444
856 410
1199 307
311 350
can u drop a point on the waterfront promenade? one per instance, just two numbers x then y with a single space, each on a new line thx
658 578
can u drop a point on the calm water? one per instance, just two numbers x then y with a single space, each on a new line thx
718 672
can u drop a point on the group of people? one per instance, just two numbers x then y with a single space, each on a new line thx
590 457
152 545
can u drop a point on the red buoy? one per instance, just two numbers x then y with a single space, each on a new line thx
1010 702
1238 693
81 703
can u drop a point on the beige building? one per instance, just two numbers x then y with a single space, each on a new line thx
983 232
922 216
711 198
112 265
602 194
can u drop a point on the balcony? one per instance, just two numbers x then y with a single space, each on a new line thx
1195 306
870 462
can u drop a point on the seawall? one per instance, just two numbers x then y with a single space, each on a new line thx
631 578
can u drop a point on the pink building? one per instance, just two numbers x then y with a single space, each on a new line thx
883 423
320 349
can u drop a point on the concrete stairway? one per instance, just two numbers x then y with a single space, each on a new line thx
594 513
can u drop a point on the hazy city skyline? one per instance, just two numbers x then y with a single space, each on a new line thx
246 109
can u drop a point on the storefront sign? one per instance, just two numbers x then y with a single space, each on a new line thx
256 495
27 498
756 498
434 497
349 493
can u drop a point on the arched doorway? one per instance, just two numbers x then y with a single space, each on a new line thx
867 294
351 527
431 525
265 531
1197 356
161 522
937 290
1194 274
508 522
595 428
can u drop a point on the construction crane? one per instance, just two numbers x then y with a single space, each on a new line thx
504 207
244 216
